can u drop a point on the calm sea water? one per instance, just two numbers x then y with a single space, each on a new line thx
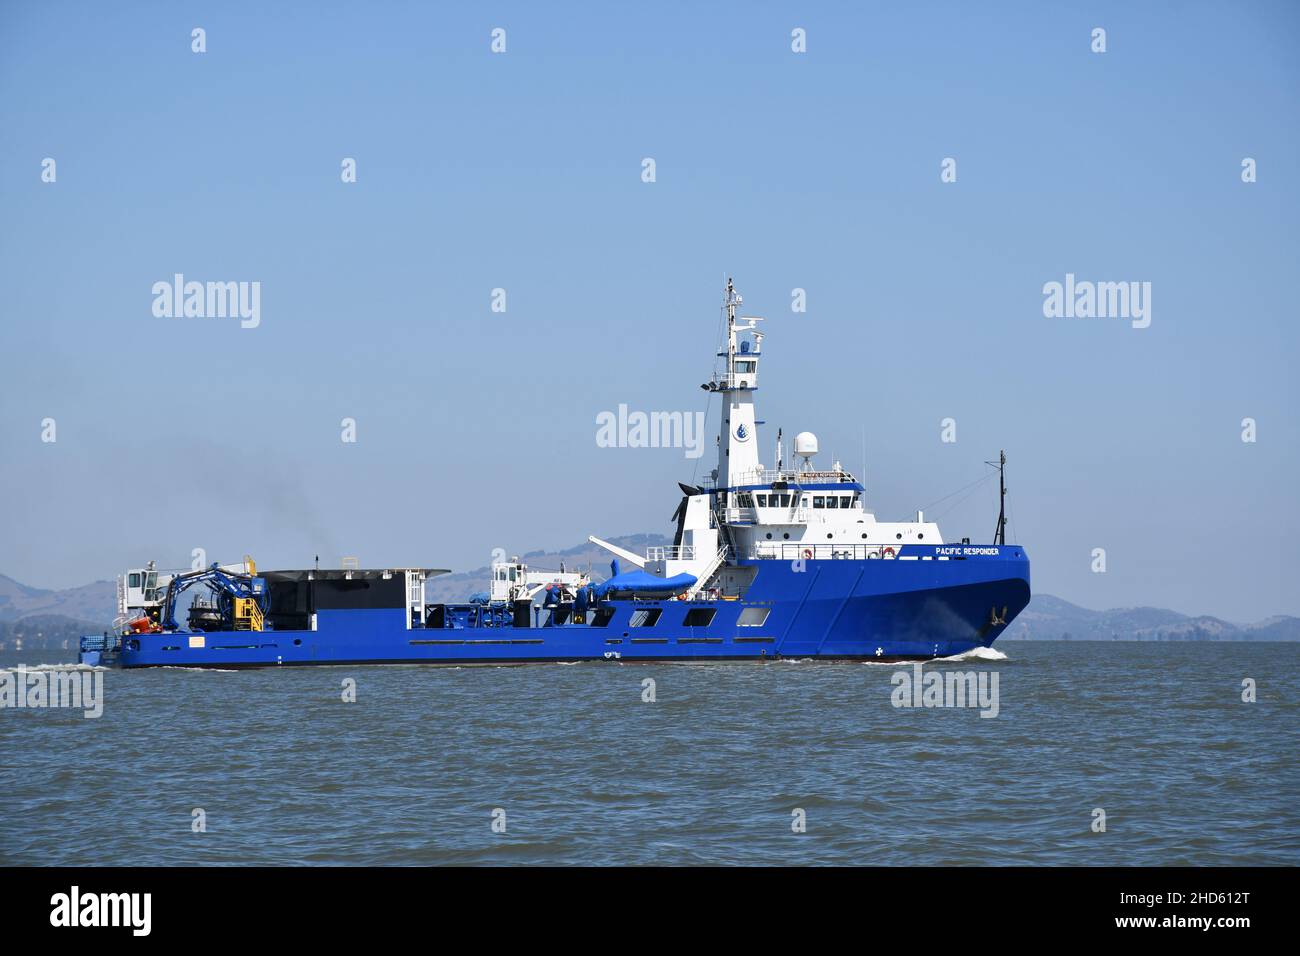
587 772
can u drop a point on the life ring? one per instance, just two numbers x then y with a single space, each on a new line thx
888 551
807 554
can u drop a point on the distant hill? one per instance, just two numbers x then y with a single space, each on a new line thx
1050 618
89 602
42 618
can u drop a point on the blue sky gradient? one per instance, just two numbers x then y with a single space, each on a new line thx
477 430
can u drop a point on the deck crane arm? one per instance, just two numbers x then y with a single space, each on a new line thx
235 587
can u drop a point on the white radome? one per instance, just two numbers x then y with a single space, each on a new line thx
805 444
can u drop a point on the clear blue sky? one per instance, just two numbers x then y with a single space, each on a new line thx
821 171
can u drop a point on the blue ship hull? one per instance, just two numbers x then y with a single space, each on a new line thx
931 601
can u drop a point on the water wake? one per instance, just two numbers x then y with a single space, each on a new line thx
977 654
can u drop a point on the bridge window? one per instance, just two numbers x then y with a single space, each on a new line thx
645 617
699 617
819 501
832 501
846 501
754 616
133 581
762 501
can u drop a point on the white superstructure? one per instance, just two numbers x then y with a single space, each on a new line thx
513 581
749 511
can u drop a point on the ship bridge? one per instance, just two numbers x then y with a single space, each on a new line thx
746 510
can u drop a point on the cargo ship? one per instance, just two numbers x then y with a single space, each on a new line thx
766 563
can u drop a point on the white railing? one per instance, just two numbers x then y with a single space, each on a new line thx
765 476
707 571
787 551
671 552
776 515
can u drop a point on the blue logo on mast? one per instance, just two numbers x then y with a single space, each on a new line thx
741 433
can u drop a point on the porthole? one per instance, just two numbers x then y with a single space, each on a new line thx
919 537
769 536
297 642
786 535
899 536
864 537
830 536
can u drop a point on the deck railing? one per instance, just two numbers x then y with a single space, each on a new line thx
670 552
777 515
793 477
787 551
925 551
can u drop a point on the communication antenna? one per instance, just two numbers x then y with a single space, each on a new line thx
805 446
862 478
1000 535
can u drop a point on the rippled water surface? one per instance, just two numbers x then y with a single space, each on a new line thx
587 772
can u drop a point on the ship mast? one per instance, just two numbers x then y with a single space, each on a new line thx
1000 536
737 437
731 300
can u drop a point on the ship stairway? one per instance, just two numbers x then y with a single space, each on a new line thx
248 616
707 572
